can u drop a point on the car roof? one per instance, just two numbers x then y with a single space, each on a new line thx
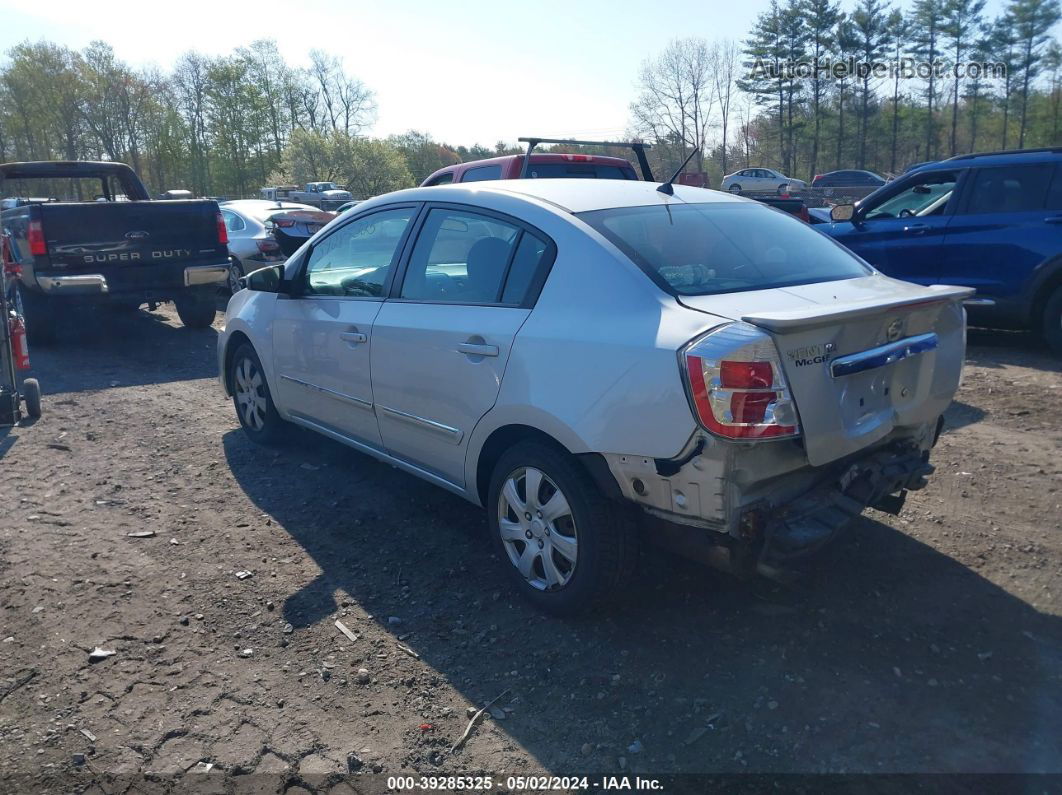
1013 156
570 195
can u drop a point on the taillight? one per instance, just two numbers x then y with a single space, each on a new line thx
817 178
580 158
223 232
283 223
268 246
803 214
35 236
737 384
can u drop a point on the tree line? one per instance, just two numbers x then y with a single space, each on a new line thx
965 83
228 125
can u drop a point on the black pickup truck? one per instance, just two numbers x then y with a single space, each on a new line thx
94 239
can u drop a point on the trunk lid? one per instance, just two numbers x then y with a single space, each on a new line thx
862 356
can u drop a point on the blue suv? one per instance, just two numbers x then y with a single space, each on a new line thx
990 221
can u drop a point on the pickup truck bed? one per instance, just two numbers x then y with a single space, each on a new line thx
110 251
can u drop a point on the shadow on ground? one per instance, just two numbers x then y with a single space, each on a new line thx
997 348
889 657
123 349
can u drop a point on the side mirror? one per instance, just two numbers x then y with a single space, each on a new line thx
842 212
265 280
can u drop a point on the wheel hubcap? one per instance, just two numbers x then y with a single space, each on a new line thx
250 394
537 529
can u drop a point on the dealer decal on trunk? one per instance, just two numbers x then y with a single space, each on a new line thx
811 354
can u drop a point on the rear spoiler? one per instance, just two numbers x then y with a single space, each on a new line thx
638 147
818 315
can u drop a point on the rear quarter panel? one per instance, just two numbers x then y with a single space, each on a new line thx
596 363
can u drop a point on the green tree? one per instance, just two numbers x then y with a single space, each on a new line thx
962 20
1031 22
926 45
822 18
870 21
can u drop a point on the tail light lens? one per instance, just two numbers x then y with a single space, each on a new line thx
737 385
35 237
268 246
283 223
223 232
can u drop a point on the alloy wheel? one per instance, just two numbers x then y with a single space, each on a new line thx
537 529
250 394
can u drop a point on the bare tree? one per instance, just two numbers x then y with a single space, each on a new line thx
726 89
678 92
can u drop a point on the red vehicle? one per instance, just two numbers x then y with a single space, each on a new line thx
544 165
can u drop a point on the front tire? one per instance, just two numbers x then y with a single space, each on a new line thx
1052 322
566 547
251 397
196 310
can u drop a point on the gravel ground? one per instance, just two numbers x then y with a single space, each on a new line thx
931 641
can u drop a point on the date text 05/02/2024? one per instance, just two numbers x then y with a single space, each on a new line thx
523 783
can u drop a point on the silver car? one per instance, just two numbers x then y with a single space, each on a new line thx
760 180
251 242
573 355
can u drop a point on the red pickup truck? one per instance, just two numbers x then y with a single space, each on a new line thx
543 165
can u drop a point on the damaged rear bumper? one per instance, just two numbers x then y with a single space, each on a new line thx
803 526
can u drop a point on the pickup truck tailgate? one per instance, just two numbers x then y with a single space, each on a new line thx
862 356
132 237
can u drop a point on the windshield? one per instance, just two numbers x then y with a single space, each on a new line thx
704 249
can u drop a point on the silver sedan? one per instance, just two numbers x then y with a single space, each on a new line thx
251 242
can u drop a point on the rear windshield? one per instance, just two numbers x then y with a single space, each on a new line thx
704 249
578 171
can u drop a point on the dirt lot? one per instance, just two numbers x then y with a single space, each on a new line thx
927 642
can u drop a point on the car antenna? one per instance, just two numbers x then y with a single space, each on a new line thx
667 187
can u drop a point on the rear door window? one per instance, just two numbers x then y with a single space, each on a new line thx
1054 195
481 173
1009 189
578 171
711 248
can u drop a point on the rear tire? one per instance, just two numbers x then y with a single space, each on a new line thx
735 189
39 312
574 560
235 274
31 393
197 310
1052 322
251 397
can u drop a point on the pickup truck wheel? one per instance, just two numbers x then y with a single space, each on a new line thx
196 310
566 547
735 189
250 395
1052 322
39 313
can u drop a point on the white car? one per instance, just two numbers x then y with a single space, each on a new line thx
572 354
760 180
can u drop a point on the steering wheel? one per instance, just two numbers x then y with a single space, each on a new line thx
906 213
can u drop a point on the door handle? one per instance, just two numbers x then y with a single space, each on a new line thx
1053 219
476 349
353 337
916 229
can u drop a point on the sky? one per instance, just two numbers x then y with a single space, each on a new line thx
465 71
